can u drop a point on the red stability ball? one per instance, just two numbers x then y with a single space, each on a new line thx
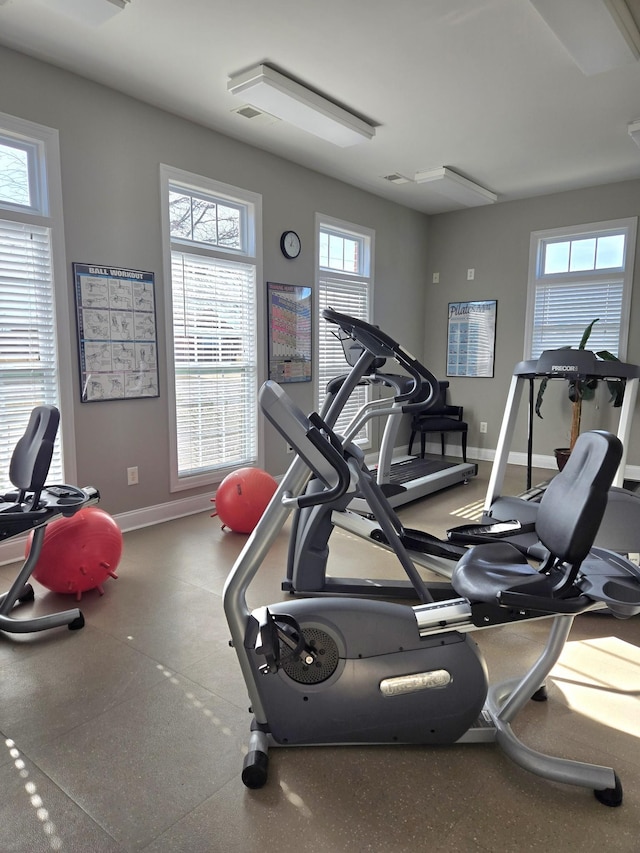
242 497
79 553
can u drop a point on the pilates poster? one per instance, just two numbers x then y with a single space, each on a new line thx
117 337
289 332
471 338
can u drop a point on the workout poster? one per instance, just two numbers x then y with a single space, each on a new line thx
471 338
289 332
117 338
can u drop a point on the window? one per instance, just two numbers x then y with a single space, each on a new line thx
210 234
32 264
21 176
345 283
575 276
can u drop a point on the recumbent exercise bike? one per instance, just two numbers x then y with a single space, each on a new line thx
31 507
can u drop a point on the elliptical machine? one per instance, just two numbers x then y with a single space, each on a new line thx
366 347
355 671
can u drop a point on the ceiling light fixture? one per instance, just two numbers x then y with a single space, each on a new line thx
634 131
599 34
269 90
91 12
453 186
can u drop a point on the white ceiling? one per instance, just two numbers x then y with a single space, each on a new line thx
483 87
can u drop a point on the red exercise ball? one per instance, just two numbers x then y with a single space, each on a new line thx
79 553
242 497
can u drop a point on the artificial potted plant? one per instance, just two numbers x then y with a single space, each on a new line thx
580 390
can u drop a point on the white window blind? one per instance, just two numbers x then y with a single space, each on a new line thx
215 362
577 275
563 312
28 365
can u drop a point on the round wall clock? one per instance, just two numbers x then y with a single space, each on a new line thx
290 244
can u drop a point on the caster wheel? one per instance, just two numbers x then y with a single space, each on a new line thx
541 694
610 796
27 595
255 769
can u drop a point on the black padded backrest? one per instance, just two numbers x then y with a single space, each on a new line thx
573 504
32 454
442 395
441 400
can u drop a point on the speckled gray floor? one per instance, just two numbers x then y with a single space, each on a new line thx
129 735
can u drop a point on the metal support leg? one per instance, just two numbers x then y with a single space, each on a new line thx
20 589
507 699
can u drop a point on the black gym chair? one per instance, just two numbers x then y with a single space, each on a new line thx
442 417
31 508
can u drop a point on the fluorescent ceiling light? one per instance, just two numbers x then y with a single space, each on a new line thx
272 91
91 12
453 186
634 131
599 34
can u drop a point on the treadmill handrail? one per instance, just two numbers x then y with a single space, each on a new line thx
397 382
369 411
381 345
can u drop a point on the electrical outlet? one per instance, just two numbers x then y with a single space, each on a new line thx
132 476
471 274
436 278
483 426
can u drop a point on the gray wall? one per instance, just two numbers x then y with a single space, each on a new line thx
494 240
111 148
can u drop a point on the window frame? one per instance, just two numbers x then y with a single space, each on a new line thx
538 242
171 176
365 275
46 211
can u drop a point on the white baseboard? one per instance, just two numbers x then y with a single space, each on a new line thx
631 472
13 550
169 511
537 460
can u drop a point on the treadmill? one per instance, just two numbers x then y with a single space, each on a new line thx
402 478
620 528
406 478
